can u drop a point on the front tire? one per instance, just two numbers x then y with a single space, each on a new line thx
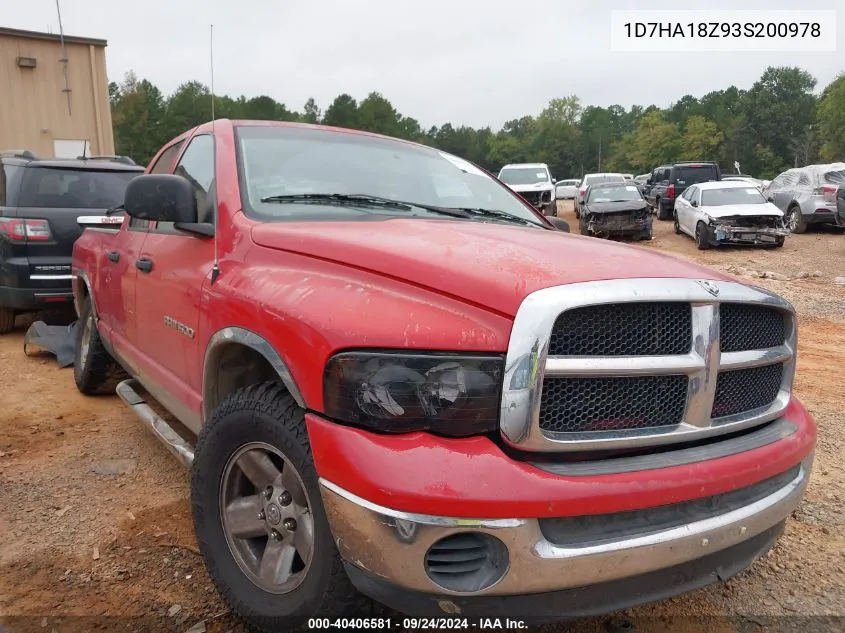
94 370
253 473
702 237
677 224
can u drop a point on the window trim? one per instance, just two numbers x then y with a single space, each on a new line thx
144 226
168 228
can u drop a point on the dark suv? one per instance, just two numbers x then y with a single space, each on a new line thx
40 201
667 182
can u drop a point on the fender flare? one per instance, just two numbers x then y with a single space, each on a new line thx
77 294
247 338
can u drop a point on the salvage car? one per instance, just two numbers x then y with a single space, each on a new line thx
435 402
591 179
615 208
729 212
807 195
534 182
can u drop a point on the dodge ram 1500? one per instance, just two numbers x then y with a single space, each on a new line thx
395 383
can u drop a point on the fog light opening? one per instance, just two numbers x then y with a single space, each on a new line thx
467 562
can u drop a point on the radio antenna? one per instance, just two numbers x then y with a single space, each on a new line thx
215 269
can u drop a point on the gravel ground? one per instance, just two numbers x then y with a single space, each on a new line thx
96 529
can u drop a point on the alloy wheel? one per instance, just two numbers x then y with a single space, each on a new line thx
267 518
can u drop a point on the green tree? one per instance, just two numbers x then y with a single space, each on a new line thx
311 111
701 139
377 114
138 109
186 108
343 112
655 141
831 118
780 108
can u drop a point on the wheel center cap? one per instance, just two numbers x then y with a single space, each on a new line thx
274 515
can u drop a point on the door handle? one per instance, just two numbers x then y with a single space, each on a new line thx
113 256
144 265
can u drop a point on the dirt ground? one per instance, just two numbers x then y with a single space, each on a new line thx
95 528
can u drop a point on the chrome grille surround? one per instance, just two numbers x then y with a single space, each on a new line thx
527 362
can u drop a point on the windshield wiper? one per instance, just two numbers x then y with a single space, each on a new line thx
499 215
364 200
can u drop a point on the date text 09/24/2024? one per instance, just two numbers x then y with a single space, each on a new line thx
411 624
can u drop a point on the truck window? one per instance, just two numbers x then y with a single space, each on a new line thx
161 166
165 161
197 166
9 176
702 173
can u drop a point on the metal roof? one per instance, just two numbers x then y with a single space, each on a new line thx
53 37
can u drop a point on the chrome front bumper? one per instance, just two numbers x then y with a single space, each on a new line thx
392 545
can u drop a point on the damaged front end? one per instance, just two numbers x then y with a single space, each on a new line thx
754 229
615 223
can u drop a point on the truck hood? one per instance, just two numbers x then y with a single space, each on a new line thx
731 210
537 186
494 266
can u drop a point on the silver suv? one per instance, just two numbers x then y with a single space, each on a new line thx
807 195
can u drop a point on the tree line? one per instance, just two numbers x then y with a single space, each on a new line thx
777 123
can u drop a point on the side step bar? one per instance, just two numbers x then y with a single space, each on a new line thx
183 451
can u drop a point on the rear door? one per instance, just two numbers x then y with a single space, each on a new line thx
116 286
51 199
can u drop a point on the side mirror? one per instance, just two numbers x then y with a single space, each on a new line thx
554 180
161 198
770 198
560 223
694 203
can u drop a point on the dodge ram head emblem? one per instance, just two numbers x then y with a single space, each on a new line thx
709 286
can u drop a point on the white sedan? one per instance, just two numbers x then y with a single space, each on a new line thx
566 189
728 212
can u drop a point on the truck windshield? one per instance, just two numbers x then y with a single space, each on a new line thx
64 188
732 195
523 176
279 161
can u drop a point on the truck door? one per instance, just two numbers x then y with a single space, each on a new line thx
171 270
116 285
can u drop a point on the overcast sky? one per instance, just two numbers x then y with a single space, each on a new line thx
476 62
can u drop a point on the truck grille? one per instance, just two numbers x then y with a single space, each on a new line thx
623 329
608 404
645 362
746 327
746 389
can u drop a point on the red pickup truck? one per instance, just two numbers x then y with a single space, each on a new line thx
396 383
